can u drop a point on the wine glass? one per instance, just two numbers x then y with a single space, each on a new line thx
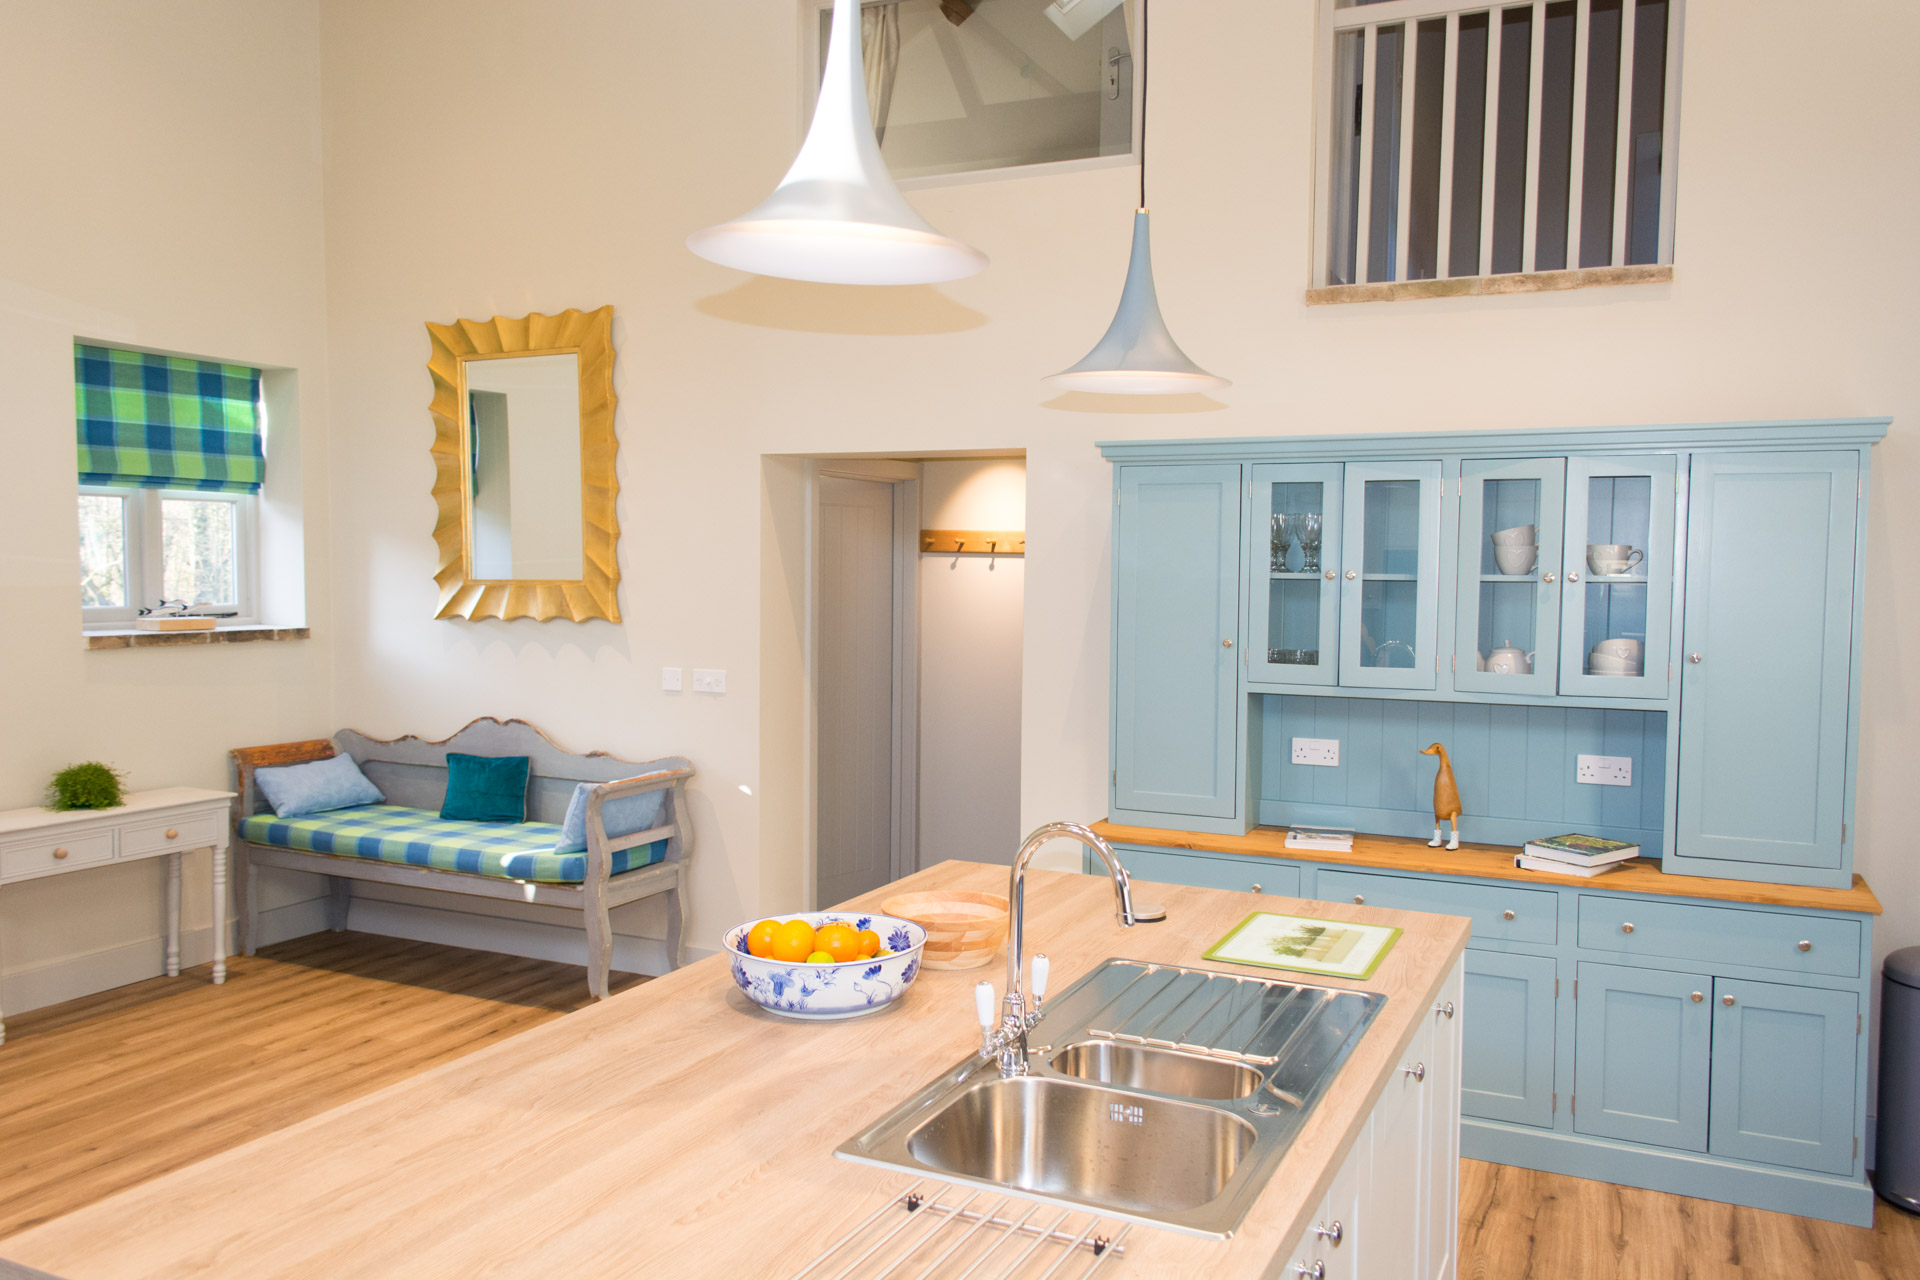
1307 526
1281 541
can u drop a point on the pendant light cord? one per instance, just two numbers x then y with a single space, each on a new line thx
1141 62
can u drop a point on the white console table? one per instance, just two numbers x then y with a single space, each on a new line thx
168 822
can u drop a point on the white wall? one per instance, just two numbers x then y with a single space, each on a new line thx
162 189
970 645
614 152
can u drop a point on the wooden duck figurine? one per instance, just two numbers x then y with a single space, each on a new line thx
1446 797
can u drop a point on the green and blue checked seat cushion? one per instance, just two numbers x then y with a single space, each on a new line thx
422 838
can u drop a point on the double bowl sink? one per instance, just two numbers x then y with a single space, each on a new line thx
1156 1093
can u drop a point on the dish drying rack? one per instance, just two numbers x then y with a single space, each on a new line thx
974 1235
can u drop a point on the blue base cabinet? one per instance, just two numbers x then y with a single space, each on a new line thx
1703 1048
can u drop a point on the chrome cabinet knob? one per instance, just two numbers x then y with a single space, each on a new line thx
1329 575
1255 888
173 833
1331 1234
1318 1271
1573 575
1694 658
1226 644
1727 1001
1697 997
1548 579
59 853
1805 945
1627 927
1418 1071
1506 915
1444 1009
1359 899
1351 575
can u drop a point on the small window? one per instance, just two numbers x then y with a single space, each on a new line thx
171 460
958 86
1466 139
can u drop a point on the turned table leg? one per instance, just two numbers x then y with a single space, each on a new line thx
219 913
173 915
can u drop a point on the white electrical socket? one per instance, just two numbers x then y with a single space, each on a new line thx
706 680
1322 751
1604 771
670 679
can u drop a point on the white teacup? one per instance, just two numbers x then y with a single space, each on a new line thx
1515 558
1519 536
1510 661
1624 649
1613 558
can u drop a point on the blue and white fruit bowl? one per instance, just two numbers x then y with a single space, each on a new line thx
821 992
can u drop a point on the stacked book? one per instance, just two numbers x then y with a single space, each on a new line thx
1575 855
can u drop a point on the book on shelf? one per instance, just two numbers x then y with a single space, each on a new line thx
175 622
1329 839
1558 868
1581 849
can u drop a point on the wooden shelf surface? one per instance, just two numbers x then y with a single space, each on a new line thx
1495 862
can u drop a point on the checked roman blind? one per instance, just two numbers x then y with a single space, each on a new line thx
166 422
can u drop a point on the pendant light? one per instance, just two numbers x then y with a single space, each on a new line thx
1138 356
837 218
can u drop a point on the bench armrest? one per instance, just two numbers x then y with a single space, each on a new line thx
601 847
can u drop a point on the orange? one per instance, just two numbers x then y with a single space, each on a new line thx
838 940
792 942
869 942
760 939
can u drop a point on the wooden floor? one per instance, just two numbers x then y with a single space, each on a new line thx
102 1093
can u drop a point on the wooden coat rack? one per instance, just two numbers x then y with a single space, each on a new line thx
974 542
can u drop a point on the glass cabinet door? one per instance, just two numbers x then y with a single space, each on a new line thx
1508 622
1390 575
1618 594
1294 596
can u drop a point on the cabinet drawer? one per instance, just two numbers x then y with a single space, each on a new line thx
1535 912
1721 935
195 832
1212 871
46 856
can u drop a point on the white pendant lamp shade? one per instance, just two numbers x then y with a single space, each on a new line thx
1138 356
837 218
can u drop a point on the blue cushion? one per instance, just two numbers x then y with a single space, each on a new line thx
625 816
486 788
315 787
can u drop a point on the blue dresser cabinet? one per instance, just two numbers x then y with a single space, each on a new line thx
1707 581
1705 1047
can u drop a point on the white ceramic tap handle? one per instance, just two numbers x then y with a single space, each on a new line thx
983 1004
1039 977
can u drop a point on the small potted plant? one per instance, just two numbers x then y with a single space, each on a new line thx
88 785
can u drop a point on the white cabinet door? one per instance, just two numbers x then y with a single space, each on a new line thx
1329 1246
1395 1225
1440 1139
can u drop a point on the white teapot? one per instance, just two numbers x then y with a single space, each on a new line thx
1509 661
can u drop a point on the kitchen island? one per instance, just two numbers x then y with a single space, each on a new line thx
676 1130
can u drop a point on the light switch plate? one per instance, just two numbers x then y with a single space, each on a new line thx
1604 771
709 680
671 679
1320 751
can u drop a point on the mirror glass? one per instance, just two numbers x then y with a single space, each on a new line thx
523 440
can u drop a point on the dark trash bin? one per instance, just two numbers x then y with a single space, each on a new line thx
1897 1151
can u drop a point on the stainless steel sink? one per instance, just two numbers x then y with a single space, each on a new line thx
1129 1066
1159 1093
1084 1143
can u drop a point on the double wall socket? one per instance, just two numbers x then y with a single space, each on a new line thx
1604 771
1322 751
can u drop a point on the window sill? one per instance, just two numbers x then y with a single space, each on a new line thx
1478 286
134 639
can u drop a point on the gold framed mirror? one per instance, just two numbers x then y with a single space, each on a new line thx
523 452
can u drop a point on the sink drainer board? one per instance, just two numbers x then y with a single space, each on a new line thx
970 1236
1156 1094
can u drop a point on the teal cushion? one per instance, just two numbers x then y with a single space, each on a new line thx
486 788
315 787
627 816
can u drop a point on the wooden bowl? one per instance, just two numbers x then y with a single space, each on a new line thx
964 930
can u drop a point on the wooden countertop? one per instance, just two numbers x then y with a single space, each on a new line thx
677 1130
1495 862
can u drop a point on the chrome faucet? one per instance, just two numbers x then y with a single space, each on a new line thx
1008 1041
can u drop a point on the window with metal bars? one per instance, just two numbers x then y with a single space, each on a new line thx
1473 139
